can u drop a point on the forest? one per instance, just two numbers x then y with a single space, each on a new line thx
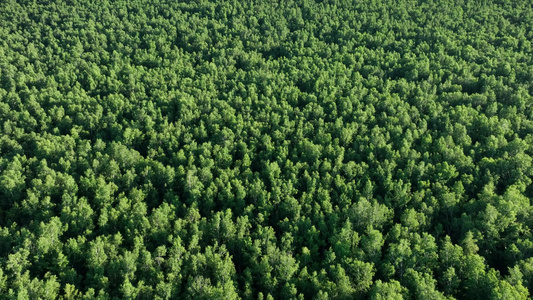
297 149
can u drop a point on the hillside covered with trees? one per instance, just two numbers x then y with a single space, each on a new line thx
299 149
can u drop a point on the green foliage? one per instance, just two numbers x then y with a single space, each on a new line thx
262 149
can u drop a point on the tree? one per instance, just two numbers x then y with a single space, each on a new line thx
387 290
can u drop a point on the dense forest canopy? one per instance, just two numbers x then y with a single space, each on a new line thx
298 149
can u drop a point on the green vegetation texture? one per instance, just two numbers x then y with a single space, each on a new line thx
297 149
